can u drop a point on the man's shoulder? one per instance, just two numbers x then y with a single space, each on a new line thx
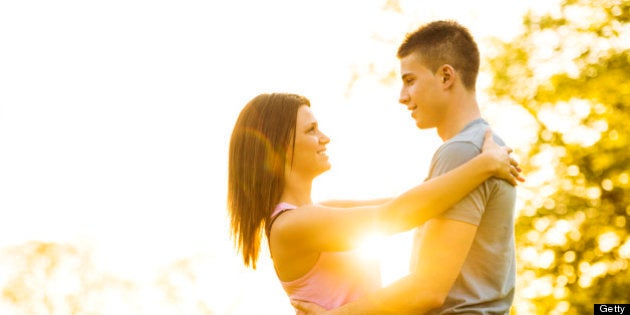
469 140
461 148
457 149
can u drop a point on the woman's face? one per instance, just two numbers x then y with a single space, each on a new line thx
309 153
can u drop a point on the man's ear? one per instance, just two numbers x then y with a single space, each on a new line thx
447 72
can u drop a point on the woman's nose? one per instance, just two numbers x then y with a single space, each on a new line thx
324 138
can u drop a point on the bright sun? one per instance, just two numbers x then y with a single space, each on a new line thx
393 254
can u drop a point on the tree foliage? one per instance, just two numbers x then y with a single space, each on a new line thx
570 70
57 278
54 278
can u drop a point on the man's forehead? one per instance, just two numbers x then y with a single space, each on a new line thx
410 64
412 57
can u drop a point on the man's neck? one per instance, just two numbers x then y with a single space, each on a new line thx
459 117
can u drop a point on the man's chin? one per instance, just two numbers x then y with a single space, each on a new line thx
423 126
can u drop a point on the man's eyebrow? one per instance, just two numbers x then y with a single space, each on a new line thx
405 75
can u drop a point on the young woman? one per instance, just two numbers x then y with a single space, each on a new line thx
276 151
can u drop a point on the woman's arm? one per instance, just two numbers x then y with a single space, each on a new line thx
321 228
342 203
440 193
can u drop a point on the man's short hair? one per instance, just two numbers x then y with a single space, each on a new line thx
444 42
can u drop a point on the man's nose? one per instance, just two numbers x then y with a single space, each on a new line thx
403 98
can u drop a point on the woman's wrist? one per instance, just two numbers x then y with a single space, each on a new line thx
489 165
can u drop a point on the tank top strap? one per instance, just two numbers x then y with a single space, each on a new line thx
281 207
277 211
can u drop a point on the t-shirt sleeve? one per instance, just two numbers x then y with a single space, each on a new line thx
450 156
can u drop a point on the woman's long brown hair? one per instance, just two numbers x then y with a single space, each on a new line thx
261 137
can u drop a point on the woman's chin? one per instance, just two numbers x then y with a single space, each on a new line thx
325 169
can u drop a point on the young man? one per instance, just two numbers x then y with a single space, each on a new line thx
464 261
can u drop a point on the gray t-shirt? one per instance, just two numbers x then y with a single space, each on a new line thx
485 284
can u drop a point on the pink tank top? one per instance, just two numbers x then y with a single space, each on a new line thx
336 278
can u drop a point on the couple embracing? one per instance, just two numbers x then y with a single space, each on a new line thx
463 259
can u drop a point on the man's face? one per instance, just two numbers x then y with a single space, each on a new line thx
421 92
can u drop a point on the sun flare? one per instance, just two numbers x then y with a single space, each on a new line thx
392 253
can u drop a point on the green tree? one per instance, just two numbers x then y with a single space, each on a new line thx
570 70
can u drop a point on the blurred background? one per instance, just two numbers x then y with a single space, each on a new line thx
115 119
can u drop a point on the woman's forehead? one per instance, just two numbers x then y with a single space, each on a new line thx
305 115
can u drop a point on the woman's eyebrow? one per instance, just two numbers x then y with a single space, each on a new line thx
311 124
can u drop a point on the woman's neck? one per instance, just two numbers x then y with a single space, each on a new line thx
297 191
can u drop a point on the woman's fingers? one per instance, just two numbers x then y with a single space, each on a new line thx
513 174
511 180
516 172
514 164
306 308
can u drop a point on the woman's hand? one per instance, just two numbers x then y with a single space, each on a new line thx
505 166
307 308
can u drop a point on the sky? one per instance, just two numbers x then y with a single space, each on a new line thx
115 116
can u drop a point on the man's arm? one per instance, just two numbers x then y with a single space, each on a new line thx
442 250
444 247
